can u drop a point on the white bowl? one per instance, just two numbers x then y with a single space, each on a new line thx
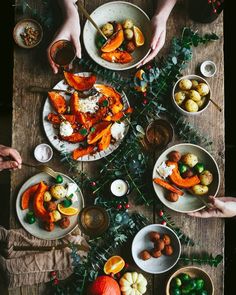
176 89
142 242
188 202
117 11
208 72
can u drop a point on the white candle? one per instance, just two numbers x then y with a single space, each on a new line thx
119 187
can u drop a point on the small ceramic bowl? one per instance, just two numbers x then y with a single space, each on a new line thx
24 30
43 153
142 242
208 68
193 272
177 89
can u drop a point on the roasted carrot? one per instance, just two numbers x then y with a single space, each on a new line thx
168 186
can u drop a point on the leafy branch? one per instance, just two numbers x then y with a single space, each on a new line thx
200 259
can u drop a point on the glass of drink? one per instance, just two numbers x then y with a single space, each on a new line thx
63 53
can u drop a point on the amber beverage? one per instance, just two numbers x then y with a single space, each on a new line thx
63 53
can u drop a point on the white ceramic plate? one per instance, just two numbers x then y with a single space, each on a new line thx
142 242
117 11
63 146
36 229
188 202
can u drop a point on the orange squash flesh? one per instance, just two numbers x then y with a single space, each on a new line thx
78 82
117 56
108 91
105 140
74 104
75 137
55 119
113 42
168 186
80 152
176 178
27 195
115 117
100 130
57 101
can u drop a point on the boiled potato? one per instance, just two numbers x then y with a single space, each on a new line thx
201 102
191 106
194 95
58 191
194 84
129 34
206 177
128 24
199 189
185 84
56 215
47 196
108 29
189 159
202 89
180 97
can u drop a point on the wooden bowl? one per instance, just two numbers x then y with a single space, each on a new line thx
193 272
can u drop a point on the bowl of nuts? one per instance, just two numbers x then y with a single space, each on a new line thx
27 33
191 95
156 248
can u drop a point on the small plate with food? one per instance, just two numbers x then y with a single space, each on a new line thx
87 118
49 209
183 174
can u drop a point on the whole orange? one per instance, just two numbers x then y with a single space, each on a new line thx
104 285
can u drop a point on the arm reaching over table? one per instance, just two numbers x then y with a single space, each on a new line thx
221 207
158 24
70 29
9 158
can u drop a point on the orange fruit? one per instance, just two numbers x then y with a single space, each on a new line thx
138 36
114 265
69 211
138 75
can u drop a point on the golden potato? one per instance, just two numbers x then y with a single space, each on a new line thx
194 84
108 29
206 177
47 196
129 34
201 102
185 84
180 97
190 159
199 189
58 191
191 106
128 24
202 89
194 95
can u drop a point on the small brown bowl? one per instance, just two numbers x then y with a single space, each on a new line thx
21 28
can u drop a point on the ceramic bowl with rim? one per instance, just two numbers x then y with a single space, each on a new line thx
142 242
176 89
188 202
20 29
117 11
193 272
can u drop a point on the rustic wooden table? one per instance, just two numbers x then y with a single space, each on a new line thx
31 68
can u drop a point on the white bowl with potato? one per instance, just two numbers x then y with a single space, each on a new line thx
191 95
193 177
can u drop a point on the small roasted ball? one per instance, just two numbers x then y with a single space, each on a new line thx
130 46
194 84
47 196
194 95
203 89
206 177
191 106
189 159
155 253
180 97
185 84
49 226
154 236
64 222
188 173
145 255
58 191
129 34
56 215
199 189
159 245
172 197
166 239
108 29
174 156
168 250
201 102
128 24
50 206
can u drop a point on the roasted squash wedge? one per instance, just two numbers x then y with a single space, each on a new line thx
117 56
55 119
105 140
80 152
176 178
108 91
75 137
115 117
74 104
100 130
57 101
78 82
113 42
27 195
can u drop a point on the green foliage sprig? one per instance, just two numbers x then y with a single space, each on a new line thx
200 259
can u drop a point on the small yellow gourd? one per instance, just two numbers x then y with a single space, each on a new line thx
133 283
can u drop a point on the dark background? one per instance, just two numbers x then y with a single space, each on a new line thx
6 25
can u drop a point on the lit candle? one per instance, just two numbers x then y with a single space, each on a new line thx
119 187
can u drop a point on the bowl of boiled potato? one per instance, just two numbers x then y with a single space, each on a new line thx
191 95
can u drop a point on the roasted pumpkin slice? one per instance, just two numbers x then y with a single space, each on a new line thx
105 140
108 91
99 130
115 117
80 152
75 137
78 82
177 179
113 42
27 195
74 104
57 101
116 108
55 119
117 56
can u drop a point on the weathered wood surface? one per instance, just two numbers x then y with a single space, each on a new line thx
31 68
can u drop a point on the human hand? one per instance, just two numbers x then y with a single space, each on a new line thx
221 207
158 25
9 158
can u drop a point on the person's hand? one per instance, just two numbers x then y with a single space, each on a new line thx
221 207
158 38
70 30
9 158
